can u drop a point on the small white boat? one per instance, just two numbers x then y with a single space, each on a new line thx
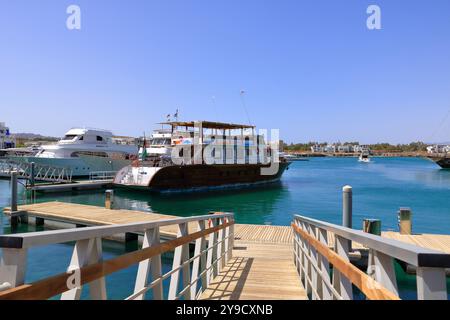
364 157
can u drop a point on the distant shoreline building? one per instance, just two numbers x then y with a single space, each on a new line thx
6 140
340 148
438 148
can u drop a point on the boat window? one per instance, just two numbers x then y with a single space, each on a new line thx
81 138
69 137
89 153
99 138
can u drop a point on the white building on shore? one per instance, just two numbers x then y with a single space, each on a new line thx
340 148
438 148
6 140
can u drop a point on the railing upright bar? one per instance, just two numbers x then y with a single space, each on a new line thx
381 269
153 266
80 258
213 253
179 257
325 267
345 286
199 265
431 284
314 264
97 288
13 264
221 247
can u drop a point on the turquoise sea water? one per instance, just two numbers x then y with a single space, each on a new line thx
312 188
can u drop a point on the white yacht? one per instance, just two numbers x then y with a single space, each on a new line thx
158 145
86 151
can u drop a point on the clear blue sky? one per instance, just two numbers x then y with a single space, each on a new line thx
309 68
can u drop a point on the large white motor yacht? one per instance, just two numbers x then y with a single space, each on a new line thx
85 151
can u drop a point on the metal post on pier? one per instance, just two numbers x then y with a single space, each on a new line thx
32 173
347 209
13 191
14 217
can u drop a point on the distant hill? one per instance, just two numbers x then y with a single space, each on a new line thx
33 136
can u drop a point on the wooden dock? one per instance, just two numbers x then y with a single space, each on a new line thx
439 242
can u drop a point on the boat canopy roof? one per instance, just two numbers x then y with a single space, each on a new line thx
208 125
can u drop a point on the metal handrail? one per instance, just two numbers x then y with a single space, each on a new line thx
209 258
313 256
414 255
32 239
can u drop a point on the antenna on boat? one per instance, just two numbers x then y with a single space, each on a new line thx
242 93
176 115
438 128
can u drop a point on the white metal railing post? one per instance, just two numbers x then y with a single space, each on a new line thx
431 284
381 269
153 265
212 254
325 267
97 287
221 247
13 265
342 284
199 264
231 240
227 243
80 258
316 287
181 255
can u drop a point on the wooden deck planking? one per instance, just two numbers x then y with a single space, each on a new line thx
263 233
439 242
258 271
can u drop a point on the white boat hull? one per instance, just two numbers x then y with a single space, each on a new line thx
81 166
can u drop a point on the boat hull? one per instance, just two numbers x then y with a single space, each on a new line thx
443 162
204 177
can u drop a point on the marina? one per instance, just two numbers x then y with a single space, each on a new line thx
240 159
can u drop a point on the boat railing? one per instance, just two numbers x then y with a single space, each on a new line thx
102 175
320 246
213 236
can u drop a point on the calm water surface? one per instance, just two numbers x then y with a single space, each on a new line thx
311 188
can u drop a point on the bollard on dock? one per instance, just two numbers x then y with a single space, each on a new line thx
405 220
109 199
347 209
372 226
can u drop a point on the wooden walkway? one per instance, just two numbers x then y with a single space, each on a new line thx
258 271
